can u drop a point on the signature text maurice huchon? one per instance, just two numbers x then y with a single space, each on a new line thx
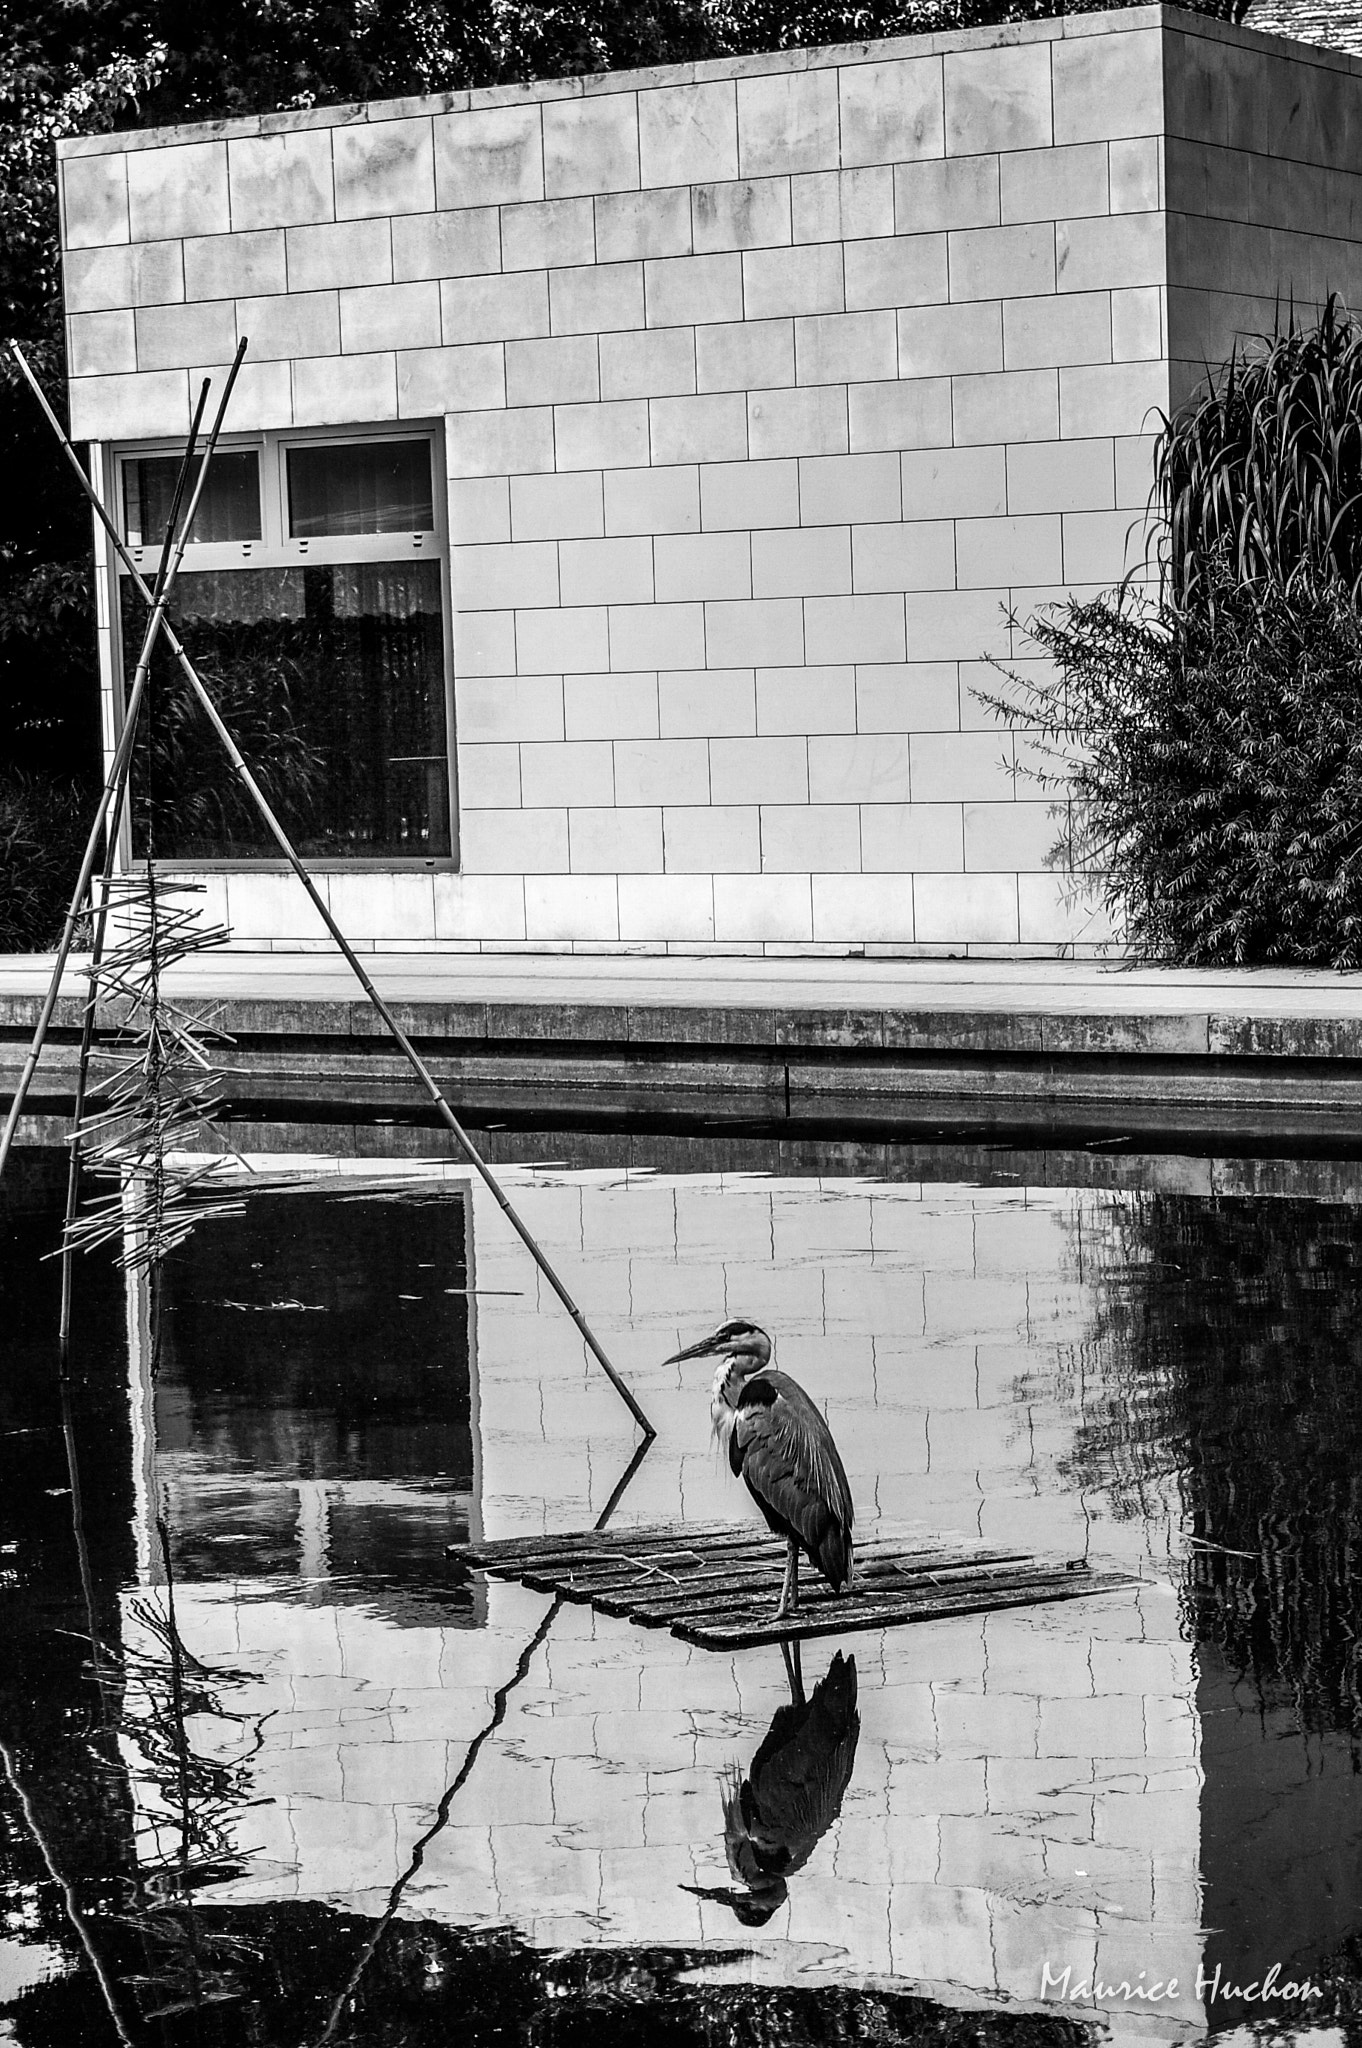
1088 1987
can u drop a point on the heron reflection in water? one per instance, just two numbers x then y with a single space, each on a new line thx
776 1816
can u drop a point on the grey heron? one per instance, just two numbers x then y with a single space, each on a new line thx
775 1817
779 1442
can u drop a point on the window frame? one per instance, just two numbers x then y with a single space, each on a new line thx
277 550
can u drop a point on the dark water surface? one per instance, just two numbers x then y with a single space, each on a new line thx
269 1774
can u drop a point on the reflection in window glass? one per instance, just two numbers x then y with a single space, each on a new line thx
229 508
359 487
332 680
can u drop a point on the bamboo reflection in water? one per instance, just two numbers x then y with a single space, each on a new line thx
189 1800
192 1803
181 1805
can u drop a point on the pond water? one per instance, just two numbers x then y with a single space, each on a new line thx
273 1773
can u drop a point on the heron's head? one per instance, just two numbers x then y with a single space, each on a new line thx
753 1909
743 1341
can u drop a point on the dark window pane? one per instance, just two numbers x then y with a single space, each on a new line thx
332 681
229 508
361 487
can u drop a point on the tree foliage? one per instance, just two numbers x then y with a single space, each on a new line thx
48 712
41 837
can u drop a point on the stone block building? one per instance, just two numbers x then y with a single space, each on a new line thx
632 479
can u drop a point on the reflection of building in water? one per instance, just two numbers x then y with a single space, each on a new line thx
1027 1783
1281 1829
304 1394
314 1404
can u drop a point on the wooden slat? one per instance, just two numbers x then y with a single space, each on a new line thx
581 1579
732 1589
675 1557
703 1536
596 1551
764 1563
581 1564
717 1634
568 1542
743 1602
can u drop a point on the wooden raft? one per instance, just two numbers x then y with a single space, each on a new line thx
717 1583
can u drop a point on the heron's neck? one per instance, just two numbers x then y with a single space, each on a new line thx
733 1370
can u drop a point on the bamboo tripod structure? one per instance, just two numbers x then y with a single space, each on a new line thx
101 900
110 812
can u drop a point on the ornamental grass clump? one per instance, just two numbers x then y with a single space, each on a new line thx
1203 729
1263 475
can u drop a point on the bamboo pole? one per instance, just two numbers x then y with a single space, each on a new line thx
286 847
115 785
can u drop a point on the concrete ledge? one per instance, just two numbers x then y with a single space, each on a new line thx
791 1039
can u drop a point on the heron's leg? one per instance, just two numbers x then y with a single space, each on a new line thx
789 1592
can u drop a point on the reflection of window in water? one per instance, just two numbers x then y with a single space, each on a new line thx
312 601
314 1400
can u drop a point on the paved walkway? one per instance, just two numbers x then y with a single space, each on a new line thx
1022 987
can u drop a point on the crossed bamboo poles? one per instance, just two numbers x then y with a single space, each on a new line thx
110 812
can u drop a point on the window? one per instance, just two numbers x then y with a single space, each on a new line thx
228 507
369 487
312 602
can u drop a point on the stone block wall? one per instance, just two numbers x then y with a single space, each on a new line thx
769 390
1264 170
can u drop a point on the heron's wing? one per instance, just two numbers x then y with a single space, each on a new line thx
789 1458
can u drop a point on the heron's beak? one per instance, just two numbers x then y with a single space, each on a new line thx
704 1349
